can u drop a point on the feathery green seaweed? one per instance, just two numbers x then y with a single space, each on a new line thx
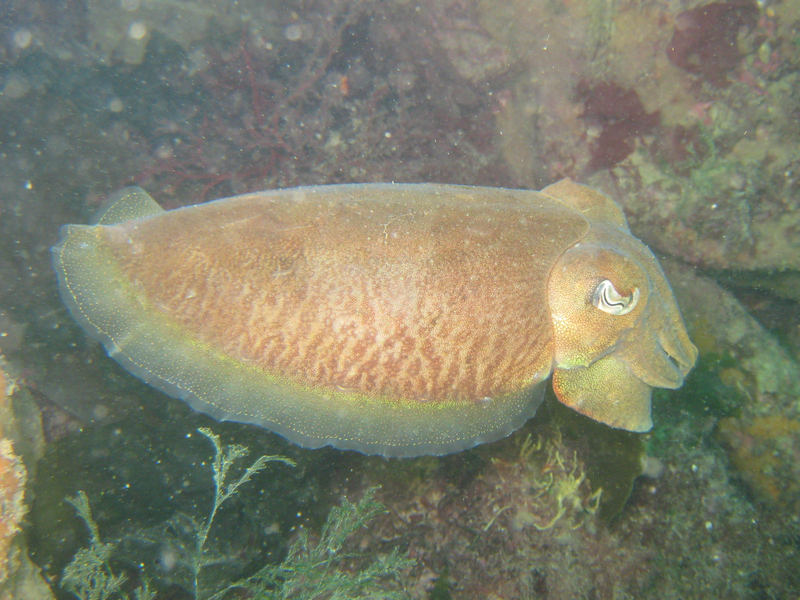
318 569
89 575
224 458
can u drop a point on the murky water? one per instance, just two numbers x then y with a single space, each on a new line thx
685 113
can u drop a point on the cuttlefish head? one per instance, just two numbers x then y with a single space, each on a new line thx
617 329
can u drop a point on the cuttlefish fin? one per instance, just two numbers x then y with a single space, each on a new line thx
591 203
606 391
127 204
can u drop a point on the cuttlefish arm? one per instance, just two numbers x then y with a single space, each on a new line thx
617 329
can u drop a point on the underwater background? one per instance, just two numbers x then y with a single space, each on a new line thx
686 113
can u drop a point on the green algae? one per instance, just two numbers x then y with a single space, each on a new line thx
311 569
613 457
89 576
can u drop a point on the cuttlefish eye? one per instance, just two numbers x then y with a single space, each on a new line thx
609 300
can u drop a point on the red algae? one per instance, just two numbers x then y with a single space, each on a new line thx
704 42
622 117
682 148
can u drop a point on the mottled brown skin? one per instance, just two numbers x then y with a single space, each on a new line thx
418 299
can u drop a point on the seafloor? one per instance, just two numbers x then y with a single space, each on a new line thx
687 113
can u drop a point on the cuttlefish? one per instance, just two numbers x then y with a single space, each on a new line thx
391 319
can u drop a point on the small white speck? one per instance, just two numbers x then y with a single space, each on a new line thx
164 152
168 559
137 30
272 529
293 32
17 85
28 185
695 468
22 38
709 525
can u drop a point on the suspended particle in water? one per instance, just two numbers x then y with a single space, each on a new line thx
137 30
293 32
22 38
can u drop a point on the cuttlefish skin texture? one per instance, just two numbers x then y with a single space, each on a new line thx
391 319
